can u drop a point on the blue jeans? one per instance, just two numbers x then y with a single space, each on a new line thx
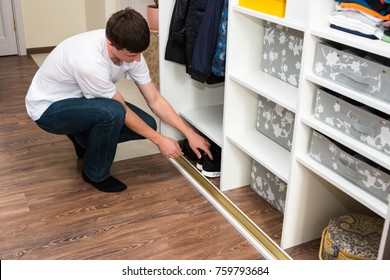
97 125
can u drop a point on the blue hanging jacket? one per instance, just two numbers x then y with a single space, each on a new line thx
219 60
206 41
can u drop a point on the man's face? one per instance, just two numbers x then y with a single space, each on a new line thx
127 56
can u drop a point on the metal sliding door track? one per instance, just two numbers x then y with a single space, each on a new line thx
266 246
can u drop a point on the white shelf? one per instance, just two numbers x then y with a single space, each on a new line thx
278 20
208 120
265 151
373 46
274 89
373 102
346 186
359 147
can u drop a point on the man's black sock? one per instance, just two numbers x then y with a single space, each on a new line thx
111 184
80 151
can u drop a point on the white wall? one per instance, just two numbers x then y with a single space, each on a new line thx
139 5
95 14
48 22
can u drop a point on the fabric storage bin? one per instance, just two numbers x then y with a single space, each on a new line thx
354 69
352 118
350 165
268 186
275 121
271 7
351 237
282 53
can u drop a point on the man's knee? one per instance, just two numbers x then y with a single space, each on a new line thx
115 111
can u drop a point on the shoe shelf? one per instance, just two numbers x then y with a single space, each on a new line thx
192 100
207 119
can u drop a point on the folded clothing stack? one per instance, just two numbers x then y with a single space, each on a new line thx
365 18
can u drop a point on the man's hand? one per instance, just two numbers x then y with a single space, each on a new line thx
169 147
197 143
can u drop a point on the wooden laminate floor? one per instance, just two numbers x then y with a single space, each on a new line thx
48 212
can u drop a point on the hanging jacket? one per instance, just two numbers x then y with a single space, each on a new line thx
206 42
185 26
196 11
219 60
176 45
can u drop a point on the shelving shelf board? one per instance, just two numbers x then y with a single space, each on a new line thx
374 46
372 102
265 151
278 20
361 148
206 119
274 89
362 196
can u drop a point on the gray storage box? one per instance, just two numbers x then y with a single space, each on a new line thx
343 161
276 122
282 53
351 118
354 69
268 186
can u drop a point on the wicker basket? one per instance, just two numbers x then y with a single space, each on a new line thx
351 237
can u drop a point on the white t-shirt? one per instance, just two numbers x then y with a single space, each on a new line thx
80 67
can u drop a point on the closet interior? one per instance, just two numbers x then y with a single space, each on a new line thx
228 114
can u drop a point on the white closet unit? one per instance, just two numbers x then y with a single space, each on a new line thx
227 115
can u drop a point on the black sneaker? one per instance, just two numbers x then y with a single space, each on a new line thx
187 151
199 163
215 151
212 168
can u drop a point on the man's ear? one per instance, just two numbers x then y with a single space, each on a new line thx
109 42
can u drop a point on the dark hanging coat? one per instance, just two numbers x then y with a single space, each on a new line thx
176 46
193 35
206 42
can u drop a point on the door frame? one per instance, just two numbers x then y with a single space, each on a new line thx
20 39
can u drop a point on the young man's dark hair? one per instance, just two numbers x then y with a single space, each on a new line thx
128 29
